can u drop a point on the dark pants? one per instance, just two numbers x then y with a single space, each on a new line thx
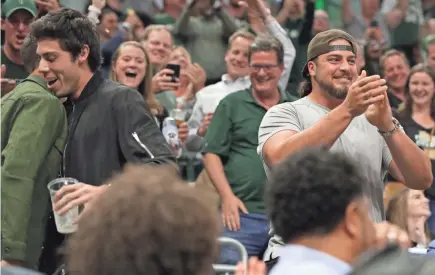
52 255
253 234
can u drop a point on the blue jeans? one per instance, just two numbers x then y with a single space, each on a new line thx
431 220
253 234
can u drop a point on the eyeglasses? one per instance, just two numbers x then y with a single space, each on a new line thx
17 22
265 67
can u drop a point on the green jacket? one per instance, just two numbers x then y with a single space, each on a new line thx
33 135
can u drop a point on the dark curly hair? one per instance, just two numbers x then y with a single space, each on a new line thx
310 191
147 222
73 30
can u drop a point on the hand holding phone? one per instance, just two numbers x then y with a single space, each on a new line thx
166 80
176 69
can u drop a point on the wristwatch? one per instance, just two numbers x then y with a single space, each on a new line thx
397 127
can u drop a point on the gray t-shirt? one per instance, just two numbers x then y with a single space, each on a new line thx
360 140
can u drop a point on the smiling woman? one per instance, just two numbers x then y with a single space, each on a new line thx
417 116
131 67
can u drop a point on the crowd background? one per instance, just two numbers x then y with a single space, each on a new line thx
209 40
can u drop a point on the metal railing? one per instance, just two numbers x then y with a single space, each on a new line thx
227 269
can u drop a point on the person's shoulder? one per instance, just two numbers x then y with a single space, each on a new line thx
117 90
286 107
237 96
31 91
209 88
302 268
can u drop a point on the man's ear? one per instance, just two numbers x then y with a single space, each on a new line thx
352 219
84 54
311 68
2 24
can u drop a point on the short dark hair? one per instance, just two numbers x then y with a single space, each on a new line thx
266 43
148 222
28 54
309 192
73 30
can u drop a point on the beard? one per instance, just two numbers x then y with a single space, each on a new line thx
330 90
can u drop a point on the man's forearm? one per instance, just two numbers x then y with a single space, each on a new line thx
411 161
215 170
280 34
182 24
324 133
228 22
346 12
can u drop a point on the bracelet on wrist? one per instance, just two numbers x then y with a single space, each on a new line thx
397 127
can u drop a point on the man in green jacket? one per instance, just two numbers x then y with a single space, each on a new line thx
33 134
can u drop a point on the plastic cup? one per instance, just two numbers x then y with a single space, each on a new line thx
179 115
65 223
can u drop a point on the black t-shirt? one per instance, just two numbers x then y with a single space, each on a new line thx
394 101
422 137
13 70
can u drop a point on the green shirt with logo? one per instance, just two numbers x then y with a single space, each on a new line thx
233 136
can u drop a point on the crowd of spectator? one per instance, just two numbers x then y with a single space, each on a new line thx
256 90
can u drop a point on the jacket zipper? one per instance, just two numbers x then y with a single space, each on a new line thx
141 144
67 140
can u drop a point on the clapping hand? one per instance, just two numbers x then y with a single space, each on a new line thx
365 91
387 233
196 75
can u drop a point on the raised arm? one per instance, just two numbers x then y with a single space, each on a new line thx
394 12
346 12
281 133
229 23
181 27
280 34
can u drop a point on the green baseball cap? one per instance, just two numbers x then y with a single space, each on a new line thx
10 6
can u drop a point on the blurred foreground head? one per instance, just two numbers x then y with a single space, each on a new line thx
394 261
316 198
148 222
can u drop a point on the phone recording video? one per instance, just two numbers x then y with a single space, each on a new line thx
176 75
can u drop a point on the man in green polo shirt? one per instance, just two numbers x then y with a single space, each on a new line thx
230 156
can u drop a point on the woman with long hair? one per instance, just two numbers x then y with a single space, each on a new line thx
417 116
409 210
131 67
192 79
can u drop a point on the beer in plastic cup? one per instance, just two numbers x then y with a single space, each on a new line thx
65 223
